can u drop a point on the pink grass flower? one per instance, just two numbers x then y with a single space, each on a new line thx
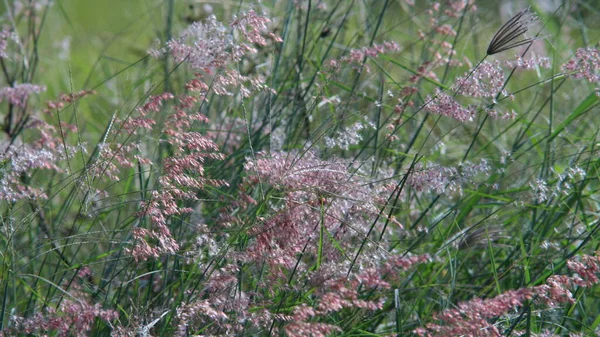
253 27
182 178
485 81
473 318
585 64
444 104
5 36
202 45
22 161
356 57
210 44
19 93
73 317
528 63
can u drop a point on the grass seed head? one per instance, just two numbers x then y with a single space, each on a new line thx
505 37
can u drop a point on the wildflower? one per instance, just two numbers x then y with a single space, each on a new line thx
472 318
443 104
356 56
348 136
445 179
487 80
585 64
5 36
530 63
504 38
203 45
18 161
209 44
19 93
74 316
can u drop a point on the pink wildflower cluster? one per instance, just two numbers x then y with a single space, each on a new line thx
335 293
357 56
19 161
446 105
545 333
445 29
226 310
557 289
195 311
470 319
253 28
209 44
563 183
426 70
114 155
528 63
446 179
452 8
74 316
202 45
135 124
307 197
18 94
221 306
506 115
473 318
182 178
455 8
486 80
348 136
233 79
5 36
317 193
405 262
443 51
64 99
206 46
301 329
585 64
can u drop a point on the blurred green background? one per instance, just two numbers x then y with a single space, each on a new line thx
103 45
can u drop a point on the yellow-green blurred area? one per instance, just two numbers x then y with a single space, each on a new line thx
89 40
77 34
100 45
83 42
103 45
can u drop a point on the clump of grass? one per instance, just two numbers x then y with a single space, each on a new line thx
262 177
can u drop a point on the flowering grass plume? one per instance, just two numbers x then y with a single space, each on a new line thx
476 317
505 37
487 80
446 105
